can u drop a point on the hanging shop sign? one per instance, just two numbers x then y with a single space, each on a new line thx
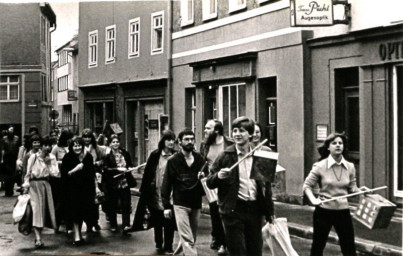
71 95
311 12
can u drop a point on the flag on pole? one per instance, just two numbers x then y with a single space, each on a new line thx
264 165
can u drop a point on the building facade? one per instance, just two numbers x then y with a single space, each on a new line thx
233 58
25 64
124 70
65 87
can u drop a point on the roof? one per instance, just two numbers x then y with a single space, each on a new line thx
48 12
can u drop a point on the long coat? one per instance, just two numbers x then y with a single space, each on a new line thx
79 188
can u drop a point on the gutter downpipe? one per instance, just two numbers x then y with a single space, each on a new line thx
169 79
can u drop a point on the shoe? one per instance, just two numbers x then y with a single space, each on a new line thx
89 229
168 251
159 250
214 245
79 242
222 250
113 228
97 227
69 231
126 231
39 244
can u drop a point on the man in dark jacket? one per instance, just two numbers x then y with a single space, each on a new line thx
11 144
242 201
214 143
182 179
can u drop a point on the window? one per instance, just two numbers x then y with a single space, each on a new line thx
9 88
45 91
191 108
93 49
398 130
67 116
157 32
63 83
232 104
209 9
110 44
186 12
235 5
63 58
134 38
43 30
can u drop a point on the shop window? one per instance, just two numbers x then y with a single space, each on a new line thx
209 9
134 38
157 32
398 130
93 48
110 44
231 104
98 114
267 108
9 88
236 5
187 12
190 113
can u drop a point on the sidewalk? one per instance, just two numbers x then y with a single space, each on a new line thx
386 241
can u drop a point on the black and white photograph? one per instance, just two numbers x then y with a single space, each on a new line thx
201 127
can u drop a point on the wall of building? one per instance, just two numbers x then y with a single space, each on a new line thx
144 67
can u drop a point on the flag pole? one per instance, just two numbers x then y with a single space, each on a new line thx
247 155
353 194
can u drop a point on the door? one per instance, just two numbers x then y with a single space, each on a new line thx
398 131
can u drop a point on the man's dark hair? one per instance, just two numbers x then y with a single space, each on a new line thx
46 141
217 126
64 137
186 131
244 122
166 135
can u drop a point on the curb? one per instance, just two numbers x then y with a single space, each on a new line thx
364 246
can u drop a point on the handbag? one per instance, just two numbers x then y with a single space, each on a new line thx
25 224
278 239
20 207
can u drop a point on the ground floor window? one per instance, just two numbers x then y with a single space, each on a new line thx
231 104
398 130
98 113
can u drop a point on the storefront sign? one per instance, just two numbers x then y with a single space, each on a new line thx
71 95
153 124
391 50
321 132
311 12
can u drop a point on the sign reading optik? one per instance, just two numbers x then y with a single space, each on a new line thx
311 13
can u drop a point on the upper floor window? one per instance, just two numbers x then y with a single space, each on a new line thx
157 32
134 38
9 88
63 58
93 48
187 12
209 9
235 5
45 89
44 27
110 44
63 83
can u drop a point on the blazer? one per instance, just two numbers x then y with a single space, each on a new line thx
228 188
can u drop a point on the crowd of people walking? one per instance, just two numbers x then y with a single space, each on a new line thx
68 177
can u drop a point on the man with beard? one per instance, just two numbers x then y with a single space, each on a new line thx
243 202
182 179
11 144
214 143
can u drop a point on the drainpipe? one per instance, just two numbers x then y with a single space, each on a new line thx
169 53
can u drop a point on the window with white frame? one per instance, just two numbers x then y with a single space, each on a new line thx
134 38
9 88
231 104
187 12
190 115
209 9
45 89
398 130
110 44
235 5
63 83
93 48
157 32
63 58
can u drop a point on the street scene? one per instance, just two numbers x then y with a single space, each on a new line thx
201 127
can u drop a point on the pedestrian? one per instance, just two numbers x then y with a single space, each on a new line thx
53 137
78 175
181 178
335 176
214 143
243 202
40 167
22 151
33 130
58 187
11 144
256 138
150 190
98 153
117 193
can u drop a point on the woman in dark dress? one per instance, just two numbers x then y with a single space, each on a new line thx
78 177
117 162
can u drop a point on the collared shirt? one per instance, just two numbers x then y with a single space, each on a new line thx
331 162
247 187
